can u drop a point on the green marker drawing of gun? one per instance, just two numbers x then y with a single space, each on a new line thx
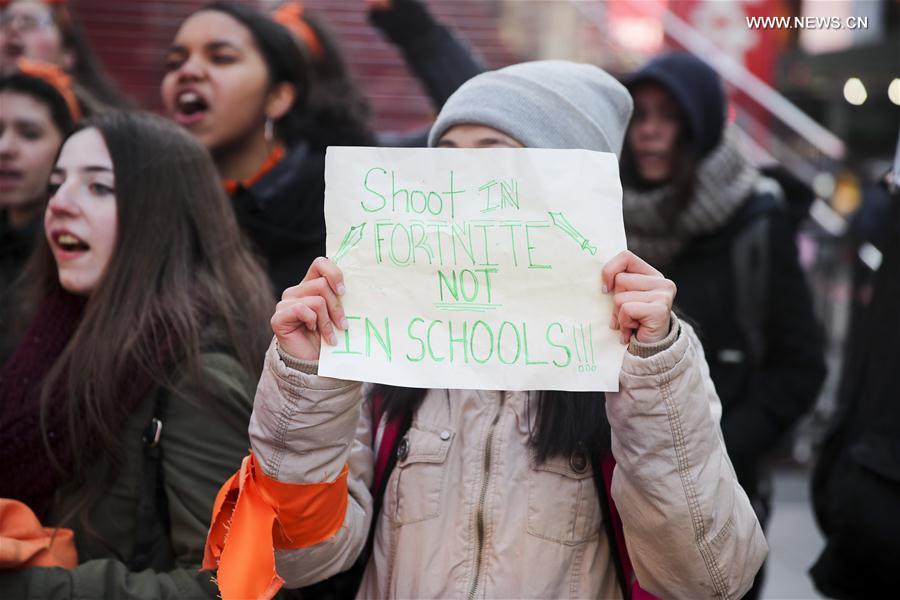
562 222
351 239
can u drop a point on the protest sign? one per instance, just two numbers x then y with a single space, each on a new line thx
474 268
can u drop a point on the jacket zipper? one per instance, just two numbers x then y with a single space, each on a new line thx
479 517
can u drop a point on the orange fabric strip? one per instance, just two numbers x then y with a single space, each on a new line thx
254 514
25 543
275 156
306 513
290 15
58 79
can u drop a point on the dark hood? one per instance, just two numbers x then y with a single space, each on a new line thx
696 88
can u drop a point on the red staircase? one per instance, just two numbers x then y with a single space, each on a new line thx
131 38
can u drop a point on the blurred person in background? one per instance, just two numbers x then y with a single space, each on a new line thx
38 108
267 103
46 30
856 482
698 211
869 232
127 401
239 83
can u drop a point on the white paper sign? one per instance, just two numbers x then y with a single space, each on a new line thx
475 269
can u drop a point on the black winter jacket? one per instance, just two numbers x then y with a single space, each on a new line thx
856 483
283 215
283 212
762 396
15 248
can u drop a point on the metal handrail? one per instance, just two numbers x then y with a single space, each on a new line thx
738 76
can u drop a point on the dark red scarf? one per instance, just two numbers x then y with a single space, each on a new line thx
26 471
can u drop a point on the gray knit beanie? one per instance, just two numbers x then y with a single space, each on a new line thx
543 104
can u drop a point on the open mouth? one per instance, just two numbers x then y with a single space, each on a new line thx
70 244
13 49
652 157
190 108
10 177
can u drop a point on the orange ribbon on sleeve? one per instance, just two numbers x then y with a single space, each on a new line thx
254 515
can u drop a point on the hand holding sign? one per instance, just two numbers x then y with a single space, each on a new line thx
643 298
310 310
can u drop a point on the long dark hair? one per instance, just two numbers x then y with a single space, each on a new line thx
330 109
286 62
684 168
566 422
339 113
180 278
683 181
43 92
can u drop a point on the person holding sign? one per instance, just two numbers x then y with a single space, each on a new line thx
492 493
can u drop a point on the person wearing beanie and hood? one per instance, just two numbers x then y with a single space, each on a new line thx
698 211
495 494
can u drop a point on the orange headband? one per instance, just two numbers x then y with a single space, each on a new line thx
54 76
290 15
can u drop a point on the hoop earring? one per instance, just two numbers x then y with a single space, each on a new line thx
269 132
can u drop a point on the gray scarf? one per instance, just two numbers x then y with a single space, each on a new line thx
723 181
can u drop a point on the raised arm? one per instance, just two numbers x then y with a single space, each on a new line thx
308 477
689 527
436 55
304 430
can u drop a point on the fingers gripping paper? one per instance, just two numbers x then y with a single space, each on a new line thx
474 268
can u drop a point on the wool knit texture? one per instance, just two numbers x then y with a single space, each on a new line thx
723 182
543 104
27 472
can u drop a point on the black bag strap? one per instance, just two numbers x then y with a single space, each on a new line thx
750 257
751 263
